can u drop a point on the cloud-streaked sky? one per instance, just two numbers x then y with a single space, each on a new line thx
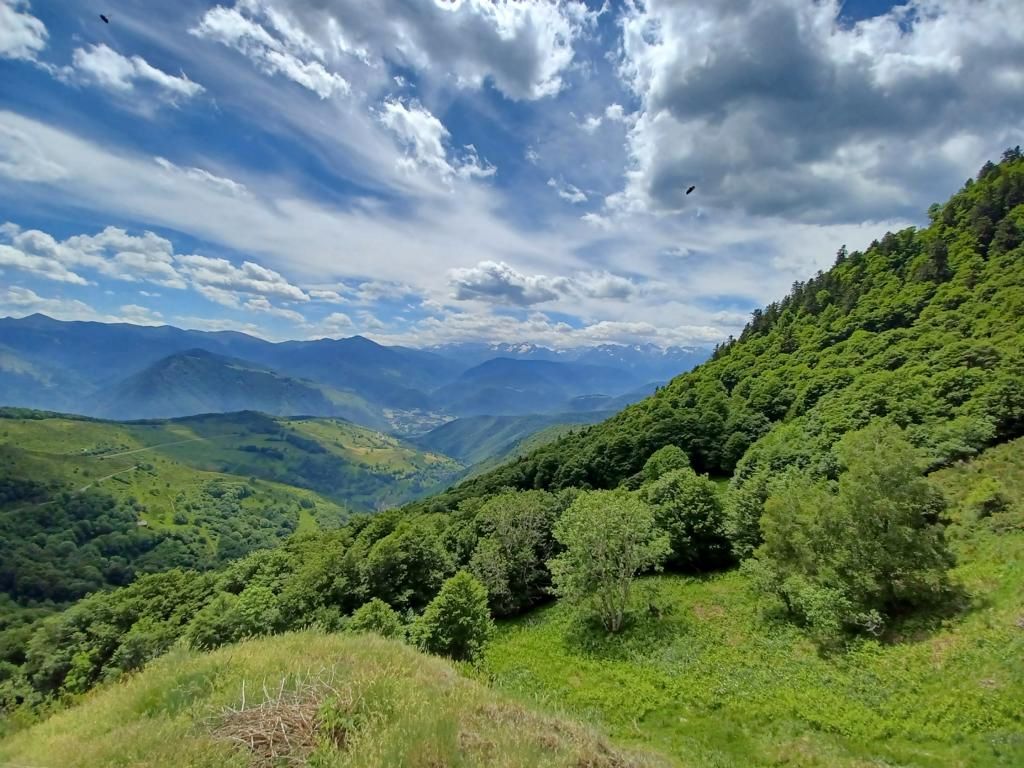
424 171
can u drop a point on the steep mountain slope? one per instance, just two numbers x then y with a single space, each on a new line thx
506 386
197 381
923 327
714 682
473 439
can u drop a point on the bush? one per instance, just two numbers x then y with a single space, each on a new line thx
986 498
457 622
376 616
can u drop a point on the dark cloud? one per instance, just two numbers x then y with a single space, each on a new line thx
776 108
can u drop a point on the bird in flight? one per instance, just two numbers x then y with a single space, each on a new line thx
693 187
105 19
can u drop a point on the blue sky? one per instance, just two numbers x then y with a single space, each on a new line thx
425 172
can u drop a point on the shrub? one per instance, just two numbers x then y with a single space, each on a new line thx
376 616
986 498
457 622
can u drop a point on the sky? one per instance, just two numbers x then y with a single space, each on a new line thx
425 172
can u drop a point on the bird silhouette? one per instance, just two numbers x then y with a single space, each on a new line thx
105 19
691 189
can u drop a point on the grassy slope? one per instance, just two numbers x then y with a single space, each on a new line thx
395 707
358 467
72 452
713 684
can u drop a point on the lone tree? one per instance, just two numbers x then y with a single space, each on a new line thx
457 622
609 537
853 557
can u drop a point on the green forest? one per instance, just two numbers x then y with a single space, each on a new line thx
775 559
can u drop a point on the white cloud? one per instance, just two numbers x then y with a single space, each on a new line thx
498 283
336 324
327 296
23 159
22 35
372 291
198 174
615 113
538 328
283 50
260 304
250 278
591 123
17 302
42 266
523 48
531 155
424 138
139 315
113 253
568 192
108 69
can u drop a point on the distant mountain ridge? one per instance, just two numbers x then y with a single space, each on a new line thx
198 381
107 369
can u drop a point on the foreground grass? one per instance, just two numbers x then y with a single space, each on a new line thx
714 683
341 700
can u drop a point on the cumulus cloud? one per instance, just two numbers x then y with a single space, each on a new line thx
498 283
261 304
112 252
568 192
424 138
105 67
591 123
327 296
336 324
219 183
22 35
523 48
780 107
273 44
17 301
250 278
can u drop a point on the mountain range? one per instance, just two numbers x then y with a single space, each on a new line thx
128 371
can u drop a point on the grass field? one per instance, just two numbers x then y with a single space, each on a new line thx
714 683
332 462
307 699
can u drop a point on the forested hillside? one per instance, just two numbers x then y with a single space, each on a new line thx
923 327
832 413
